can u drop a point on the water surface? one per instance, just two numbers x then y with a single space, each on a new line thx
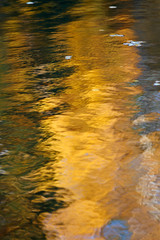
79 106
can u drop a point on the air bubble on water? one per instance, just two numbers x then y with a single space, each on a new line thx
2 172
4 152
157 83
116 35
68 57
131 43
29 3
112 7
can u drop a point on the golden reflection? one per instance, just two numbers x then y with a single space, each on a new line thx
16 44
96 147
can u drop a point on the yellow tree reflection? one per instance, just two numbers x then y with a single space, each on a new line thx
93 138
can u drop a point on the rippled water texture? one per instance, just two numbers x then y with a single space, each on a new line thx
80 120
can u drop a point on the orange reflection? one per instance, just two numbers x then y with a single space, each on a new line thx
94 141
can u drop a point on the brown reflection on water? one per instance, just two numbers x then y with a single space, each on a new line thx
99 157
